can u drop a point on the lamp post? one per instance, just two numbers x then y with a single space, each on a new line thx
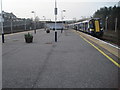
34 21
2 24
62 17
44 22
44 17
55 20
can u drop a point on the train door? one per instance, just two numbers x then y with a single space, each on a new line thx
86 26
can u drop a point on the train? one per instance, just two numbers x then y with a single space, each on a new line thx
91 26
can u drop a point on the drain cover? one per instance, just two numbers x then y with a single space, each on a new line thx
15 40
48 43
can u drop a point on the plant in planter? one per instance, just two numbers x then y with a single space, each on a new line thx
28 38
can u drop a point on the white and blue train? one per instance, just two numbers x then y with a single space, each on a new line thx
92 26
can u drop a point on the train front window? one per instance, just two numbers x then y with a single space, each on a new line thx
91 24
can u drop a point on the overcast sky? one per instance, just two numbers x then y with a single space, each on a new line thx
74 8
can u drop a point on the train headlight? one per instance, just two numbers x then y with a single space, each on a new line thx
91 29
102 29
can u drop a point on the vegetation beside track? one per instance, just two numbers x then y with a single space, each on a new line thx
112 37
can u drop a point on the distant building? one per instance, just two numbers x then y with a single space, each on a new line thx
8 16
13 23
119 4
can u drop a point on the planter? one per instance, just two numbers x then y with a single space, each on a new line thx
29 39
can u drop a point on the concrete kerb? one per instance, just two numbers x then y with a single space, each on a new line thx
104 45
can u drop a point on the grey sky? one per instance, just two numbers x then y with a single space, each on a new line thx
74 8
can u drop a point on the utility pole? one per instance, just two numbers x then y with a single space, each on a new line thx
2 24
55 20
116 24
62 17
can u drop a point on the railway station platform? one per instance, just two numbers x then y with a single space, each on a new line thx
77 60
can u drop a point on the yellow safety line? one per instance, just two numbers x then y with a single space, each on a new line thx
113 61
